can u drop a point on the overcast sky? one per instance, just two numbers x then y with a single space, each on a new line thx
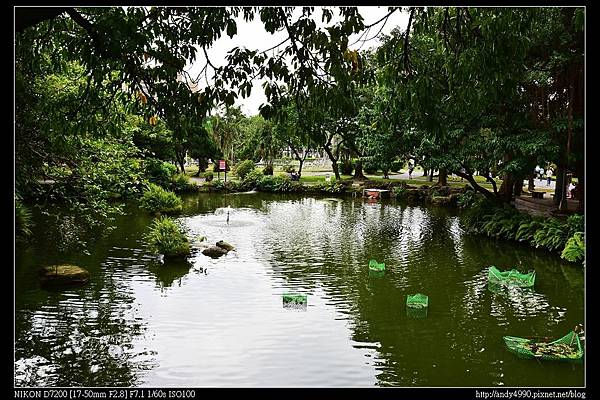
253 36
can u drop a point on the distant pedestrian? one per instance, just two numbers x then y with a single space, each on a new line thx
548 176
411 167
571 191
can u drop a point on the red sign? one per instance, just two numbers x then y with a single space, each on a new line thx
222 165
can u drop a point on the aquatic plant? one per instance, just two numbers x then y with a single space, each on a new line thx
157 199
166 237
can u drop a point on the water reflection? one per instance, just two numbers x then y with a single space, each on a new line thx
221 322
83 337
170 271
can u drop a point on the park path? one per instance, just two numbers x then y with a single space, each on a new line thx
540 207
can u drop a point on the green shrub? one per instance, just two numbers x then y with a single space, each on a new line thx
346 167
218 185
552 235
157 199
166 237
527 229
243 168
233 186
159 172
251 180
506 222
181 183
399 192
574 250
468 199
208 176
22 221
396 165
289 168
331 187
370 167
280 183
268 170
576 223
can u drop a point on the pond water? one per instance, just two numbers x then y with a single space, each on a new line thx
222 322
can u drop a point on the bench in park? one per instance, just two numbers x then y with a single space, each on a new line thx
376 193
537 195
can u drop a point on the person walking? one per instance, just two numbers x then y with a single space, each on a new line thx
411 167
548 176
571 191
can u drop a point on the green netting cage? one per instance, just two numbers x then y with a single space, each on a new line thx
417 301
375 266
295 298
567 348
511 278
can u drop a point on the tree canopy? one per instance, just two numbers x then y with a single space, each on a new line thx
464 90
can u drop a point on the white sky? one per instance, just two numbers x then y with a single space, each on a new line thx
253 36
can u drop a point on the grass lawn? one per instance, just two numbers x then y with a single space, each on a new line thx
320 178
417 180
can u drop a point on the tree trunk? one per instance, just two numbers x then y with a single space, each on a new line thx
559 190
199 169
336 170
563 205
301 161
358 171
334 165
442 177
518 187
531 183
469 177
506 189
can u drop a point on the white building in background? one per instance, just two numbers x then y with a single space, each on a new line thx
193 86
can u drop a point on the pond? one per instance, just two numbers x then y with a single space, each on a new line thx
222 322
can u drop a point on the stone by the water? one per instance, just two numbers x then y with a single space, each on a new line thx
224 245
66 274
214 252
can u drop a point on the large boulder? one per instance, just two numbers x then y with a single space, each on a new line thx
450 200
63 275
224 245
214 251
440 200
414 194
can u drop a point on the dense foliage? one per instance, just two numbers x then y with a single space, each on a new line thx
166 237
23 221
505 222
105 103
243 168
158 200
